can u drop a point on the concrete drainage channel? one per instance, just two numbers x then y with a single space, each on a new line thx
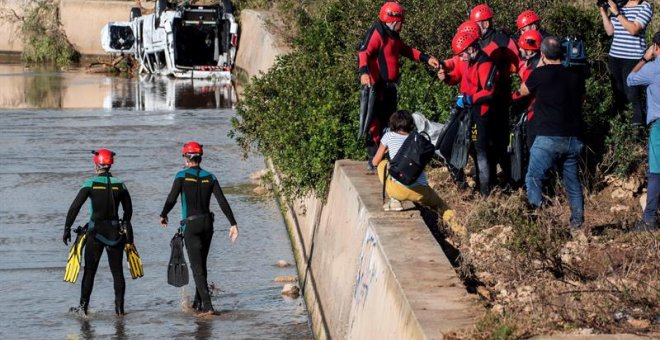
366 273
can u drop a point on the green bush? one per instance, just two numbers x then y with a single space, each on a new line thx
303 114
43 39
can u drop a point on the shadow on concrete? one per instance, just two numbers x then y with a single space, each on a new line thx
465 271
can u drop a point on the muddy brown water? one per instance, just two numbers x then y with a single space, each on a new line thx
49 122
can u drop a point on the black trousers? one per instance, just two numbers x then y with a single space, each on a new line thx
482 142
198 236
624 94
385 106
93 251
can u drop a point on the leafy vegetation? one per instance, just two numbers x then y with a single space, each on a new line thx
44 41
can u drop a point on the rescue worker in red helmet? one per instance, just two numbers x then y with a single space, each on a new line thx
529 44
378 56
528 20
504 54
521 107
196 185
454 66
104 230
478 78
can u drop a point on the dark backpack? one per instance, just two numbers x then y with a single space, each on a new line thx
409 163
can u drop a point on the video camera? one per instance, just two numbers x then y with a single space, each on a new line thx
604 4
574 52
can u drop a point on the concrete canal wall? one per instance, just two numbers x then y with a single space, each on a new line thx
365 273
81 20
370 274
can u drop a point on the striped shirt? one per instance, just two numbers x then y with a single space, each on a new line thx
393 142
625 45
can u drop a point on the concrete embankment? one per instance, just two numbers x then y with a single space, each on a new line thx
81 20
365 273
370 274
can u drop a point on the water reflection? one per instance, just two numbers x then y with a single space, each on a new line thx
22 87
156 93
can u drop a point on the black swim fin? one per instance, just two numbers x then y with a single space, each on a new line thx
177 271
371 103
517 149
364 104
461 147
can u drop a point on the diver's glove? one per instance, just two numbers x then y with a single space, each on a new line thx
66 238
129 232
464 101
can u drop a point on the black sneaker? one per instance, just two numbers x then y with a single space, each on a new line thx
643 226
370 169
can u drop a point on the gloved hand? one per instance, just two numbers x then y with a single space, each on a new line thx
66 238
463 101
129 232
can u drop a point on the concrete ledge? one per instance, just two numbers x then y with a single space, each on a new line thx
367 273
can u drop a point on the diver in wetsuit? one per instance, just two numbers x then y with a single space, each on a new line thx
104 229
196 185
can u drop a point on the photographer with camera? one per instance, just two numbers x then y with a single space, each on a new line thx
626 22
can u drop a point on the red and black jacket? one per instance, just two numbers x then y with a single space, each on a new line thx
504 53
525 68
380 51
477 79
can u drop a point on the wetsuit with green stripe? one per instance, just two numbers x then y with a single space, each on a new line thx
195 186
106 193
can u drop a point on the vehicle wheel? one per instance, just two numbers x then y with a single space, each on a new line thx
161 5
136 12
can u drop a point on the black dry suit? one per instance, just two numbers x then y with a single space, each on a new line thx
195 186
106 193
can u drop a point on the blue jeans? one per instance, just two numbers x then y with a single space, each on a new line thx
565 153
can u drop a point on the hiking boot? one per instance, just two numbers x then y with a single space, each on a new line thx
643 226
393 205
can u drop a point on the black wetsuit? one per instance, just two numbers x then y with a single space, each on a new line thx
195 186
106 193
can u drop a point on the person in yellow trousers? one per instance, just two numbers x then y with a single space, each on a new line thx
401 124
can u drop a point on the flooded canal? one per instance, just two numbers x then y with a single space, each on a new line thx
49 122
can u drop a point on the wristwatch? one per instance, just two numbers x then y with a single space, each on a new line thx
645 60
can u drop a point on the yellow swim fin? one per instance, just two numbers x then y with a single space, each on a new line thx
133 259
75 254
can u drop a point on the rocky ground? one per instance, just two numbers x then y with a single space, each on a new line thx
535 277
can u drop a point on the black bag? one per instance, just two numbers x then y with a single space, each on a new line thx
409 163
447 135
177 270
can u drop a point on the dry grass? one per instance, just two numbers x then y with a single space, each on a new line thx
537 278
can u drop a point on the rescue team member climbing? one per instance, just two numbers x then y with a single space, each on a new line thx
504 54
378 57
104 229
196 185
480 76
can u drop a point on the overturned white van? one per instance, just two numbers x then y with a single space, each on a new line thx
185 41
